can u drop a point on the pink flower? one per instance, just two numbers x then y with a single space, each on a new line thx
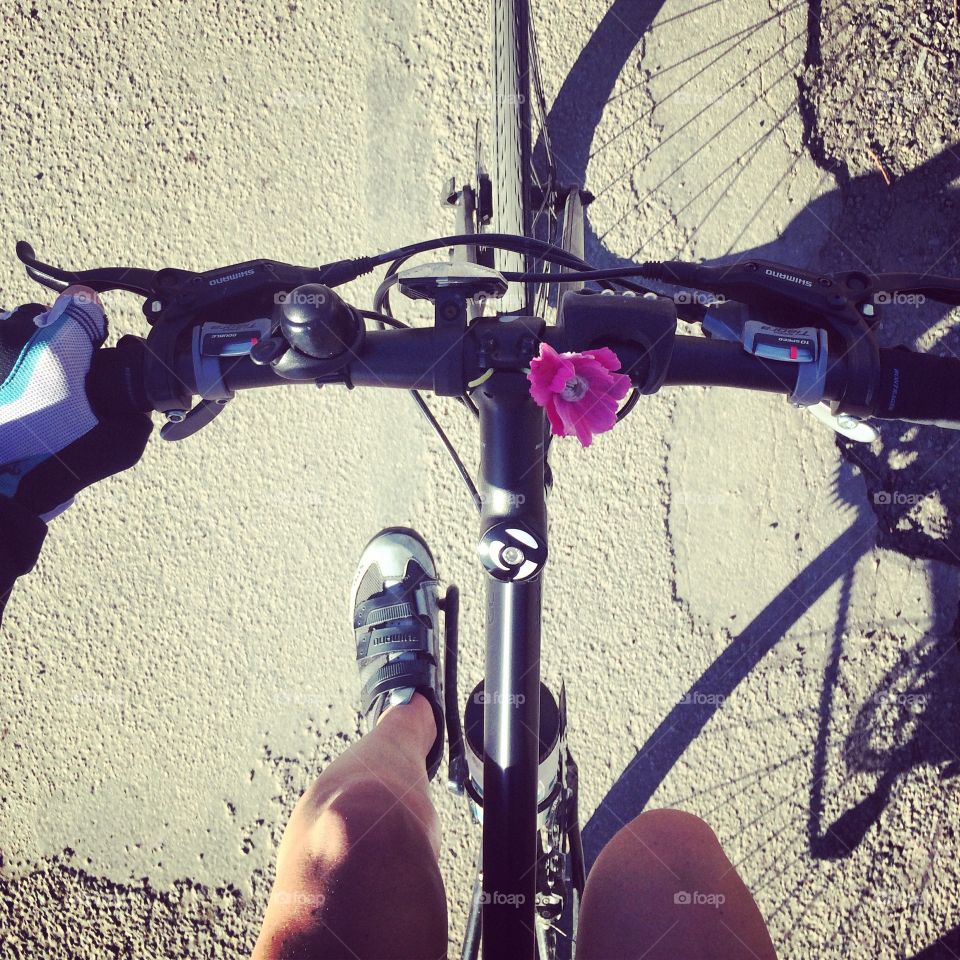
579 391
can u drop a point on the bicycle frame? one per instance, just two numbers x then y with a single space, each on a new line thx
512 488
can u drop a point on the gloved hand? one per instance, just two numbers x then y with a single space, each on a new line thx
52 442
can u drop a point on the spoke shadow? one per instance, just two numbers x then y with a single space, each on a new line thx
664 748
868 221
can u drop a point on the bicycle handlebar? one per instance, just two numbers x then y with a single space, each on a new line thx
229 310
835 313
913 387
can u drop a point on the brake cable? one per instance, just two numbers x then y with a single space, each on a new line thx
382 314
385 319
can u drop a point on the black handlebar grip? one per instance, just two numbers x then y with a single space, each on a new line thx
919 387
115 382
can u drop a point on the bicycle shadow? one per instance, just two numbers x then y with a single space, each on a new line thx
946 947
914 500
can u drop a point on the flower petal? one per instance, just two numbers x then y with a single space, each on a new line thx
577 424
556 421
548 374
600 417
563 374
606 357
596 410
590 367
616 387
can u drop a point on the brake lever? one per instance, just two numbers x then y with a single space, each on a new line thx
133 279
843 302
232 305
764 283
153 283
940 289
799 298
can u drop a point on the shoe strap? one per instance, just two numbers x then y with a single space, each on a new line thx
404 636
392 675
391 626
390 611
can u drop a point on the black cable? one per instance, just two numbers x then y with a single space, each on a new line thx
383 301
381 319
457 462
610 273
550 254
508 241
629 405
505 241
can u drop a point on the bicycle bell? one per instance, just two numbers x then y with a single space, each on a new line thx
316 322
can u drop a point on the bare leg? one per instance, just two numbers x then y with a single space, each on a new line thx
663 888
357 872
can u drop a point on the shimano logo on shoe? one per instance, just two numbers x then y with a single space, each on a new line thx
231 276
787 276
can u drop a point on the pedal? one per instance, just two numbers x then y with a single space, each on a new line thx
456 758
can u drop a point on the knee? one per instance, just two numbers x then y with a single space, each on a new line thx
644 883
674 827
661 841
357 839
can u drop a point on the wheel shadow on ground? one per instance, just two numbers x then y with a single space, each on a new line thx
872 223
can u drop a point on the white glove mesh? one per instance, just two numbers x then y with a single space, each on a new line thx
43 400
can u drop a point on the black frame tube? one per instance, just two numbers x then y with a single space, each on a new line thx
511 487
